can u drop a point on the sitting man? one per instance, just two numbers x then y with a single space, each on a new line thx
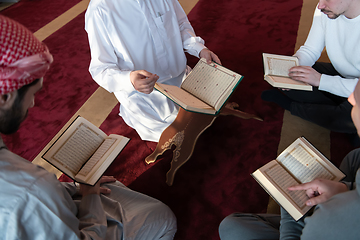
336 215
335 26
133 44
33 203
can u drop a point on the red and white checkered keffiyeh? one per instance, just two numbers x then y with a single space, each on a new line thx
23 58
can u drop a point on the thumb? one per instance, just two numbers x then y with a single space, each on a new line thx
145 73
316 200
105 190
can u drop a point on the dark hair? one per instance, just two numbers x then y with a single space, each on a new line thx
23 90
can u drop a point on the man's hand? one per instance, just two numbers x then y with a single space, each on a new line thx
320 190
305 74
96 189
143 81
209 56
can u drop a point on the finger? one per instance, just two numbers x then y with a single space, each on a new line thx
300 69
104 190
107 179
208 58
206 53
295 69
316 200
146 89
311 193
215 58
297 74
153 79
299 78
149 81
144 73
148 86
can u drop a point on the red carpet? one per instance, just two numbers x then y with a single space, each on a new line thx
35 14
216 181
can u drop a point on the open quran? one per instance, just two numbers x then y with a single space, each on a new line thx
299 163
83 152
205 89
276 68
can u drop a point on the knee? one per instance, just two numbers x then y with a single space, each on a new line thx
232 227
164 217
169 217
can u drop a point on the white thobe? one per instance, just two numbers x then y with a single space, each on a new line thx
151 35
341 37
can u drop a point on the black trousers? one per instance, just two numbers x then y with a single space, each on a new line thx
323 108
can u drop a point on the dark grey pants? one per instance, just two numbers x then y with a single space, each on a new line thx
322 108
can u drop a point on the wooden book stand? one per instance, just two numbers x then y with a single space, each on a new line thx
184 132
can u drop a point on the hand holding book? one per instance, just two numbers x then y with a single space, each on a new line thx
97 189
209 56
305 74
205 89
320 190
83 152
300 163
276 72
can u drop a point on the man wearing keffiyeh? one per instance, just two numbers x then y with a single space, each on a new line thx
23 59
33 203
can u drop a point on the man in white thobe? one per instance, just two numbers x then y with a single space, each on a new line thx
135 43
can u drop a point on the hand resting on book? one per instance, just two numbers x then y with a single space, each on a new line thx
320 190
305 74
97 189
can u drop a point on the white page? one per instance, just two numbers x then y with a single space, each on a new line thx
282 179
100 152
209 82
279 65
303 163
78 148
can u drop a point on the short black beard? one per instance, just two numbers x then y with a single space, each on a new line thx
12 118
334 17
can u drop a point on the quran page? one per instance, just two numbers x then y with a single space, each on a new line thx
102 158
75 146
306 163
279 65
299 163
83 152
182 97
275 180
211 83
282 179
95 158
